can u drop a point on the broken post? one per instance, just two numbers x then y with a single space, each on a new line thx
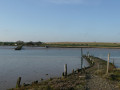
18 82
65 69
108 63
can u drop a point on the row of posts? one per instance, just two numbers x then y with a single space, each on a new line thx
65 66
88 56
108 61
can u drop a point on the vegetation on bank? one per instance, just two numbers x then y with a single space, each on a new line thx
19 43
63 44
101 68
84 44
74 81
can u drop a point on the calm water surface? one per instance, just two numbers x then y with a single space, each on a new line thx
33 63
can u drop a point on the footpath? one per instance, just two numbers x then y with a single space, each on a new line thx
96 78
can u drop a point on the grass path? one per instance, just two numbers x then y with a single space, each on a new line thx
97 82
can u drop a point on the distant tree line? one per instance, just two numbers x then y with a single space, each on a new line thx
31 43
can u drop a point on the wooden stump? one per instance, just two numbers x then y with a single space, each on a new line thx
18 82
65 69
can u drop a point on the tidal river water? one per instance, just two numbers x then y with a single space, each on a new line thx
33 63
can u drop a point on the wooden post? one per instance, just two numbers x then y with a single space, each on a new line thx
73 71
65 69
81 58
108 63
63 74
18 82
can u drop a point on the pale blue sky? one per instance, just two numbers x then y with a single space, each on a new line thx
60 20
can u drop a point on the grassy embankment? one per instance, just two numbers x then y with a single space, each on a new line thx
78 79
97 77
83 44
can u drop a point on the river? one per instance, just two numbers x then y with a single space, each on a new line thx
33 63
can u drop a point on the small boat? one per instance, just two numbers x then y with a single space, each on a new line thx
46 46
19 47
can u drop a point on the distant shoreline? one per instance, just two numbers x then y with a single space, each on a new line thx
72 47
68 44
84 45
88 47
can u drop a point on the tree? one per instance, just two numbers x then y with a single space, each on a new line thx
30 43
20 42
38 43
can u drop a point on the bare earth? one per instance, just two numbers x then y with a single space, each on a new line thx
97 83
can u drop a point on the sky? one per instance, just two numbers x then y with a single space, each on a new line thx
60 20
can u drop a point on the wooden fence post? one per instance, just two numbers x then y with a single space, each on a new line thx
81 58
65 69
73 71
108 63
63 74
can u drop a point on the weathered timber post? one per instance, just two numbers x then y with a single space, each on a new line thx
81 58
63 74
108 63
18 82
65 69
73 71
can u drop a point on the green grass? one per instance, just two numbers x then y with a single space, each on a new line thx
83 44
